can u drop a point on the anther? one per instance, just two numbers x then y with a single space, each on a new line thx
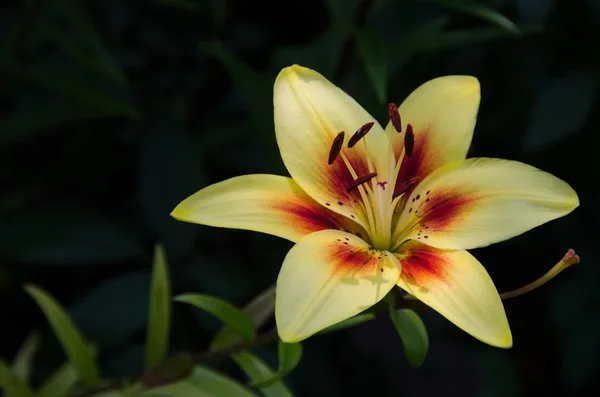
360 180
395 117
404 186
570 258
409 140
359 134
336 146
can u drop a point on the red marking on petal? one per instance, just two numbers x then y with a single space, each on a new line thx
445 208
308 218
423 265
349 260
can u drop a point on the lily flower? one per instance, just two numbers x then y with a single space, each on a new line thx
371 208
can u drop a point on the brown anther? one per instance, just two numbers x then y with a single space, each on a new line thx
404 186
395 117
336 146
360 180
359 134
409 140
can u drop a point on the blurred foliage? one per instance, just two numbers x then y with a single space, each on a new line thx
114 111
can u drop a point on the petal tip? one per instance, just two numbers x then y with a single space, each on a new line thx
460 84
296 71
501 340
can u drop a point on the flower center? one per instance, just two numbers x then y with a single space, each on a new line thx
379 204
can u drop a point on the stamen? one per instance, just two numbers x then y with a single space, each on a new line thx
360 180
570 258
359 134
407 184
395 117
336 146
409 140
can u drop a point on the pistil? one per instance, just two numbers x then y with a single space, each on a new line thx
570 258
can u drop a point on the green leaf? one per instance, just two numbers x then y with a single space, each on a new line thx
351 322
258 371
413 333
11 384
374 55
481 11
76 349
159 321
224 311
61 383
259 309
202 382
23 360
289 357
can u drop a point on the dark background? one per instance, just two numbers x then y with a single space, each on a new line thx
114 111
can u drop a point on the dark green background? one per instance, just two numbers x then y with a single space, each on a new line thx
114 111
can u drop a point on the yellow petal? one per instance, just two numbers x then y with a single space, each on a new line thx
442 112
263 203
477 202
457 286
327 277
309 113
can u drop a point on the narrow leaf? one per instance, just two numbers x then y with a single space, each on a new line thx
216 384
351 322
481 11
76 349
258 371
224 311
23 360
259 309
159 321
202 382
374 55
413 333
11 384
61 383
289 357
